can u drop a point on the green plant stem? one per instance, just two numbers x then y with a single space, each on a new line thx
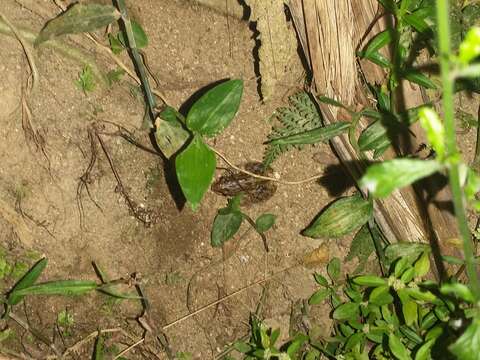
137 59
451 146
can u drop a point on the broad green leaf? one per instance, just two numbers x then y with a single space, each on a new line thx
383 178
369 280
214 111
346 311
139 35
195 167
400 266
377 42
434 129
459 290
354 340
242 347
411 334
362 246
318 296
60 287
405 249
422 265
322 134
422 295
13 297
408 275
264 222
424 351
467 346
397 348
340 218
381 296
334 269
77 19
410 312
295 345
170 138
470 46
321 280
226 224
418 78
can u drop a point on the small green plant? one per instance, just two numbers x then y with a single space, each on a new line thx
86 80
65 321
228 220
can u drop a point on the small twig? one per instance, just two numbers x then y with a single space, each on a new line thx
280 181
129 348
91 336
26 49
235 293
254 226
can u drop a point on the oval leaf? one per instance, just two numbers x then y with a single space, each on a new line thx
195 167
170 136
347 311
214 111
26 281
77 19
467 346
369 280
340 218
225 226
381 179
265 222
397 348
139 35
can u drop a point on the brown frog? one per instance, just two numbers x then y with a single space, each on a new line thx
255 190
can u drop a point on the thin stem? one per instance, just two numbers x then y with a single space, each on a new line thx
137 59
450 141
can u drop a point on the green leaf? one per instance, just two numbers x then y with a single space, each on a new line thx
195 167
322 134
381 296
26 281
383 178
60 287
418 78
377 59
340 218
321 280
115 44
347 311
467 346
362 246
77 19
170 137
417 22
226 224
424 351
264 222
435 130
318 296
405 250
296 345
470 46
242 347
374 137
422 265
410 312
214 111
99 348
459 290
139 35
334 269
397 348
377 42
330 101
370 280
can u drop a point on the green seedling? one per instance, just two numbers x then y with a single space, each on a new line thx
65 322
86 80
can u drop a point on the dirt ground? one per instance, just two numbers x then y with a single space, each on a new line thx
59 196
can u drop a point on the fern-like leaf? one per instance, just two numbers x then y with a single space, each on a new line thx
302 115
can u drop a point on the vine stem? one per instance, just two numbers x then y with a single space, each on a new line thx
451 145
